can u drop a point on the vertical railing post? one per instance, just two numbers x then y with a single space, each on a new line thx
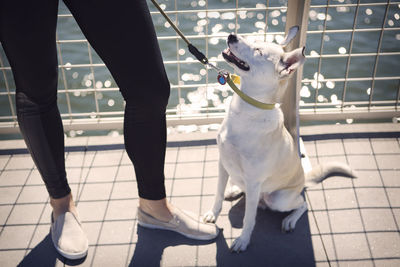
297 14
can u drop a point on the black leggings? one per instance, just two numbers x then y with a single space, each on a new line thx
122 33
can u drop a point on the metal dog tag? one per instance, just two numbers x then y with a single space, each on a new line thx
221 79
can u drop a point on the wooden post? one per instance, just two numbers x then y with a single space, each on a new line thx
297 14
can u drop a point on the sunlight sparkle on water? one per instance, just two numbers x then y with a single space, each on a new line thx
242 14
305 92
330 84
334 99
228 16
67 65
99 84
275 13
342 50
260 24
321 98
318 76
213 14
201 14
202 22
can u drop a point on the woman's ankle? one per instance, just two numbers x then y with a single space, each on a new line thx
62 205
159 209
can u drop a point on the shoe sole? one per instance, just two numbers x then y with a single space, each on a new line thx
70 256
152 226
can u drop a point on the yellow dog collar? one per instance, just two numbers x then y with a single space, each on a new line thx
231 79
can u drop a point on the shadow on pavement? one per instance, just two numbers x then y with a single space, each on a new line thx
268 245
151 244
44 254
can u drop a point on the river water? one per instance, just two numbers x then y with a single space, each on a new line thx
219 24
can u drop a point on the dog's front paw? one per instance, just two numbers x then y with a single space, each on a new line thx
209 217
240 244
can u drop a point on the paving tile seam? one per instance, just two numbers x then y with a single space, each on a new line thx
349 187
383 183
358 259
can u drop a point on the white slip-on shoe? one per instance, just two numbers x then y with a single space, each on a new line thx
68 237
181 223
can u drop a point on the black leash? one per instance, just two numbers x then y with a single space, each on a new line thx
192 49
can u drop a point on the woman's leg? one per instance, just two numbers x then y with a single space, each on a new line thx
122 33
27 34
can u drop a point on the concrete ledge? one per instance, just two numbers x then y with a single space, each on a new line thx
346 131
308 133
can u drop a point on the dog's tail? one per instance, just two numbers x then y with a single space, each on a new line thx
323 171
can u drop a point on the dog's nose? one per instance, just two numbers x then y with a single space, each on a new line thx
232 38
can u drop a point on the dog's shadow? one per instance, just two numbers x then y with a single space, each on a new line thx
268 245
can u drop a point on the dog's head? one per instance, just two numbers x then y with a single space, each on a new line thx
263 61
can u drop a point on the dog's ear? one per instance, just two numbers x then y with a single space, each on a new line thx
291 61
290 35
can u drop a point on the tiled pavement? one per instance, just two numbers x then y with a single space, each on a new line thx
350 222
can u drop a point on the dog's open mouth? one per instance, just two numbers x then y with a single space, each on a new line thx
230 57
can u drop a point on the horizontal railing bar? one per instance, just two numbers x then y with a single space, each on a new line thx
203 36
353 5
186 86
354 55
306 80
190 11
355 103
305 108
222 10
355 30
168 62
200 119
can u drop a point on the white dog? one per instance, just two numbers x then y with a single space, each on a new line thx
256 150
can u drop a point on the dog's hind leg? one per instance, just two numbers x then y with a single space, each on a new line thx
234 192
289 223
287 200
212 215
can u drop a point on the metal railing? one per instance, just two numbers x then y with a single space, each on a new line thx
353 81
